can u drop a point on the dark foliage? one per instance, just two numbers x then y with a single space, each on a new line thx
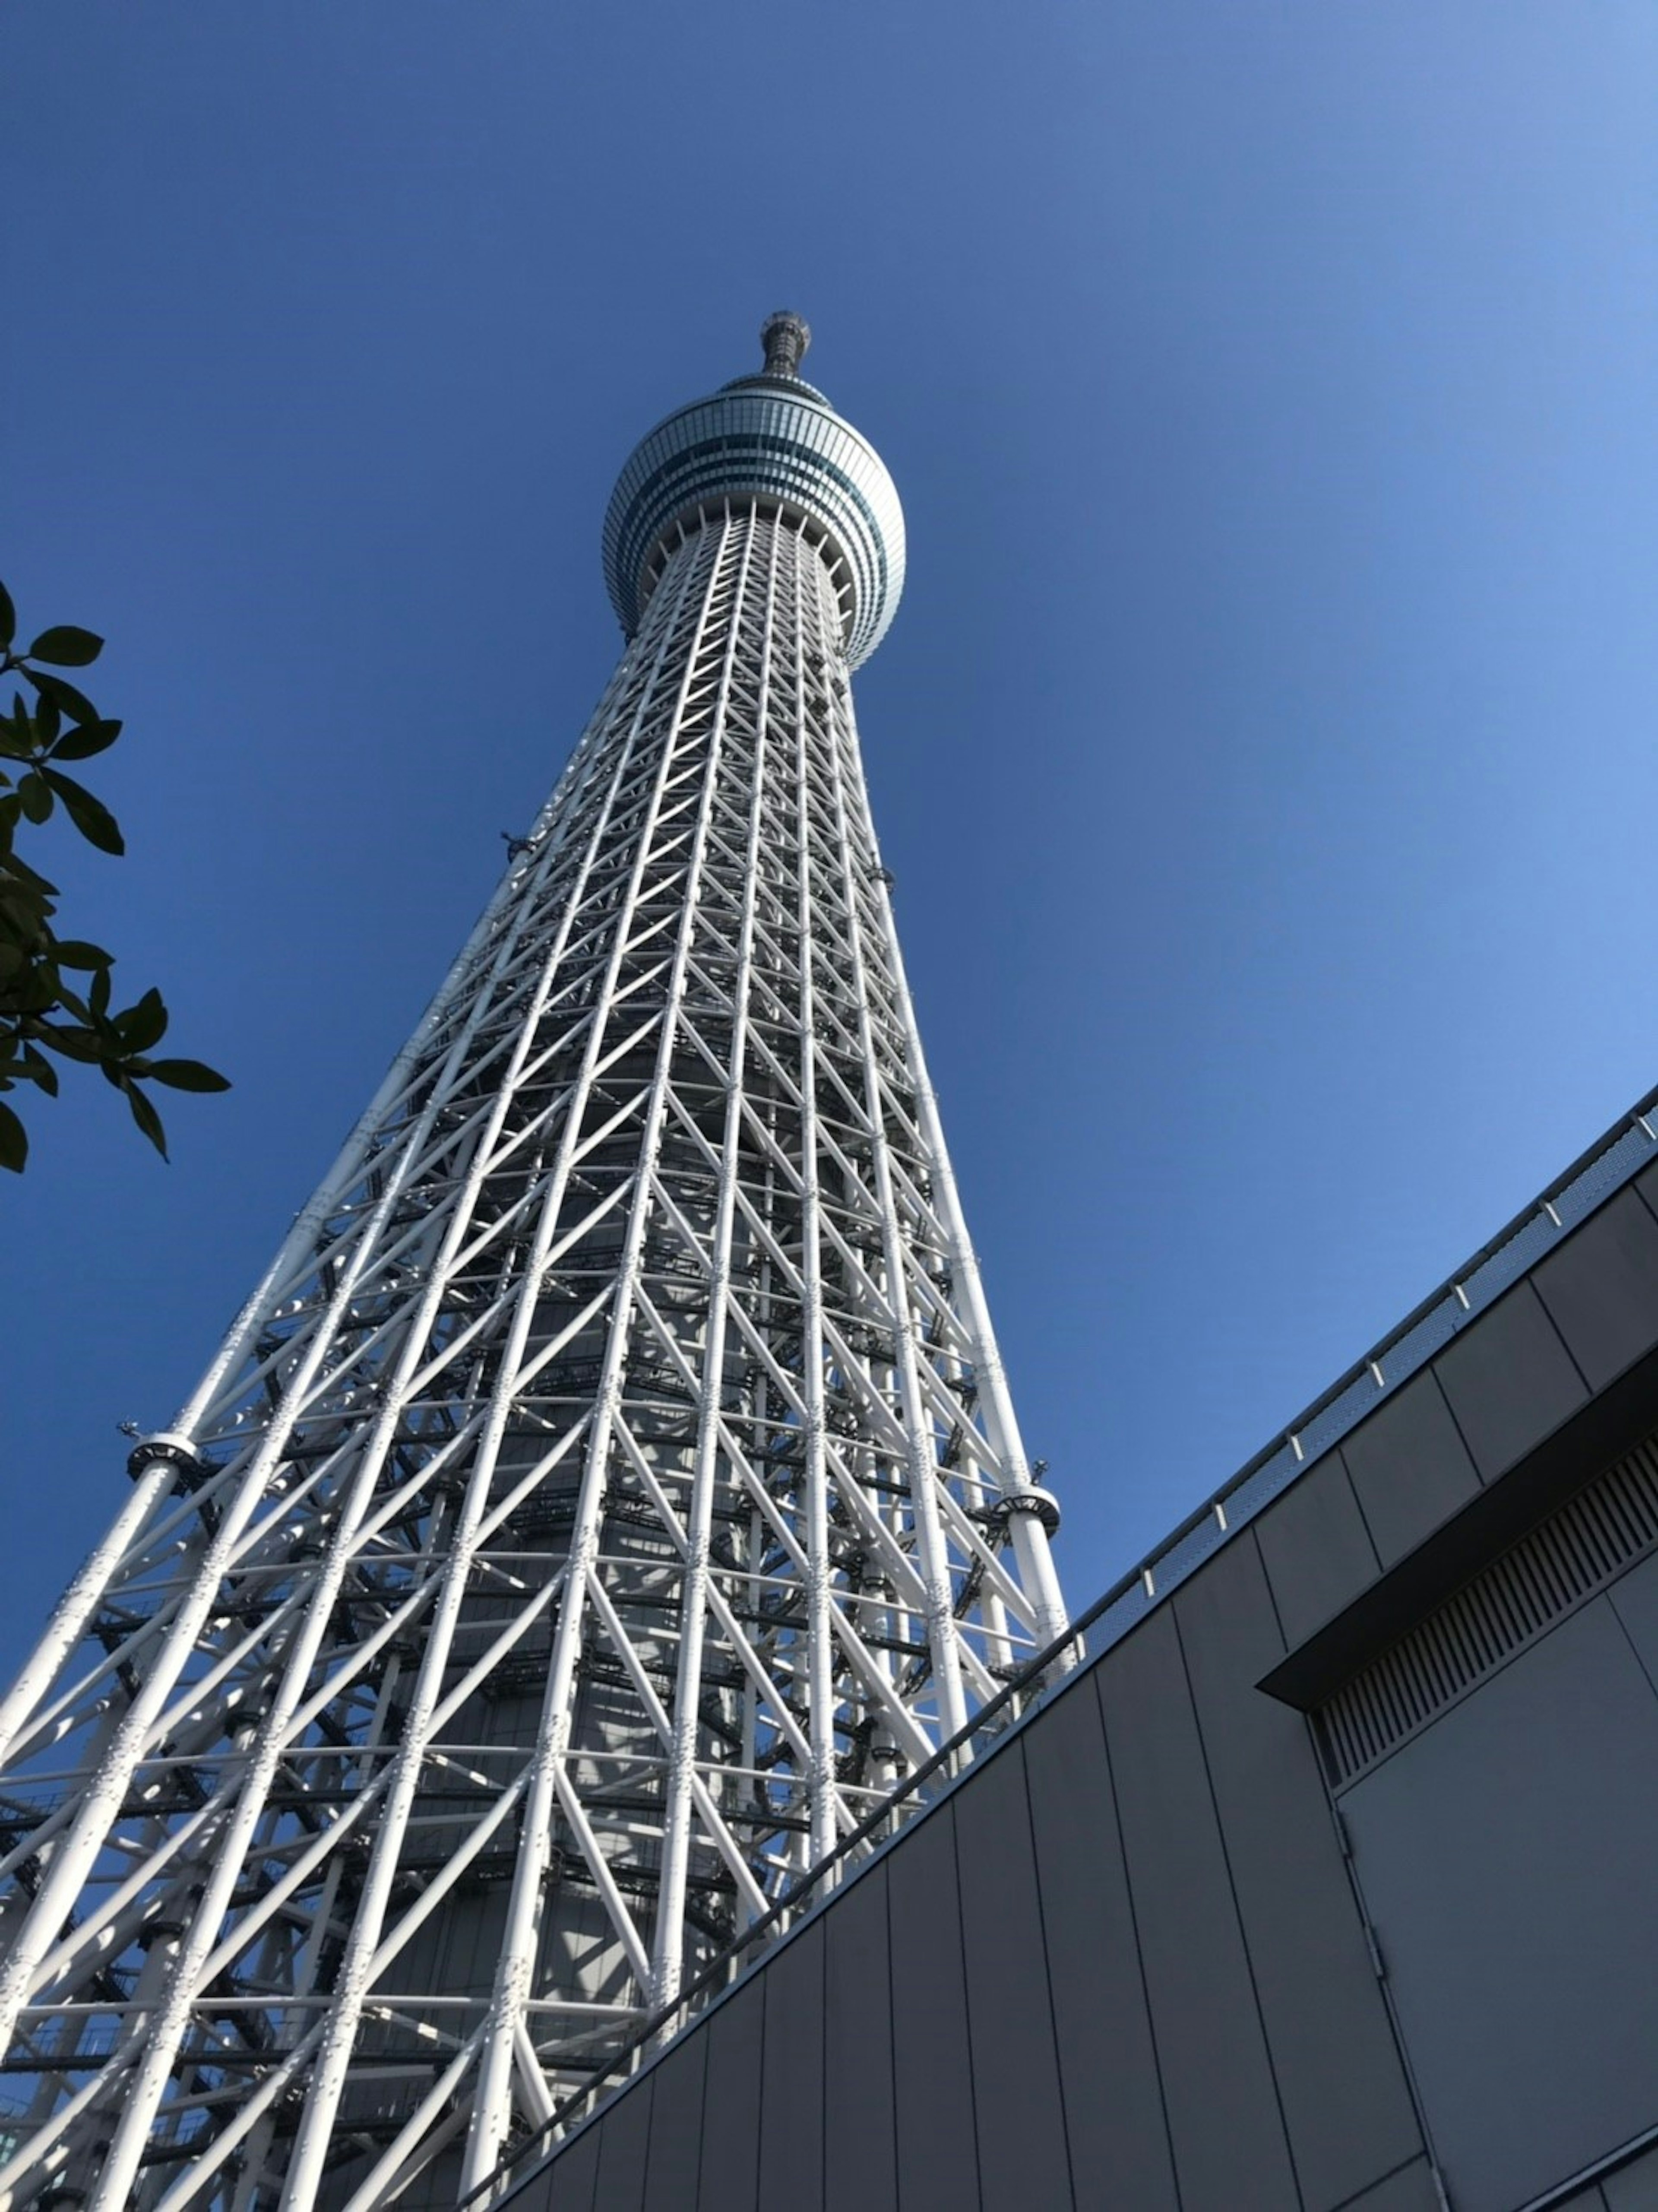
55 992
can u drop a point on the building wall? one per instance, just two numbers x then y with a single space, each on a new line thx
1164 1950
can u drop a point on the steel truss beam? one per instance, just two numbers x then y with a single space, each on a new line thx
608 1493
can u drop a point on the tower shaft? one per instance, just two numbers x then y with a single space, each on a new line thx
612 1491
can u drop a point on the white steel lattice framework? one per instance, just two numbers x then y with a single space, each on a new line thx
608 1493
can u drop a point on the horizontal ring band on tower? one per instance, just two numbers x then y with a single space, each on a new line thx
775 439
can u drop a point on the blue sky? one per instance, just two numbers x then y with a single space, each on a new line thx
1265 749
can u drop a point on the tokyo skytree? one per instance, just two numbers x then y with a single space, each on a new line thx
609 1494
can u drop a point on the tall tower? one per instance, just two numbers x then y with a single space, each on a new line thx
611 1489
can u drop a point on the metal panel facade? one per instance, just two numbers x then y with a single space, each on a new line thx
932 2062
860 2163
623 2150
1115 2119
676 2143
1601 1288
1222 2107
1339 2078
1022 2141
1509 1380
1505 1855
1413 2189
731 2112
1410 1467
1128 1962
792 2077
1318 1550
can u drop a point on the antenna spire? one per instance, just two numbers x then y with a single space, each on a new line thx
785 338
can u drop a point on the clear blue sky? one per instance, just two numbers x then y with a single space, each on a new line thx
1265 749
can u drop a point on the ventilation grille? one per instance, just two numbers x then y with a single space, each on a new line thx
1575 1552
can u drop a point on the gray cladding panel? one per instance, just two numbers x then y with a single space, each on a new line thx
792 2075
1635 1600
1601 1288
1411 2190
572 2177
731 2110
1409 1466
676 2142
1318 1551
1107 2068
1339 2075
1633 2188
931 2065
1016 2077
1124 1953
1505 1858
861 2149
1509 1380
624 2136
1229 2150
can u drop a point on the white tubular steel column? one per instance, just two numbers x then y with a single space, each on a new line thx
670 1933
609 1491
492 2107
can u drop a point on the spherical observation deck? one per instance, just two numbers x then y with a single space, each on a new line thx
772 439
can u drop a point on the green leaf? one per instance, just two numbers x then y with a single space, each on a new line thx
35 793
97 997
23 913
188 1075
146 1117
38 1069
90 815
75 704
19 932
140 1026
11 865
91 738
76 952
82 1045
65 646
8 618
46 720
14 1141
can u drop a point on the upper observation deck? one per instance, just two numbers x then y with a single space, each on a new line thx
770 438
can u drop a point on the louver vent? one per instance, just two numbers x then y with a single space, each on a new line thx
1575 1552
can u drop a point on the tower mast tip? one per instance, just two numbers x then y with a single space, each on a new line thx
785 338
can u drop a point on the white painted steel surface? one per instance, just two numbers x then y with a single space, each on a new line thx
609 1494
775 440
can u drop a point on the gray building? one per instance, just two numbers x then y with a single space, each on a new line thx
1324 1881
